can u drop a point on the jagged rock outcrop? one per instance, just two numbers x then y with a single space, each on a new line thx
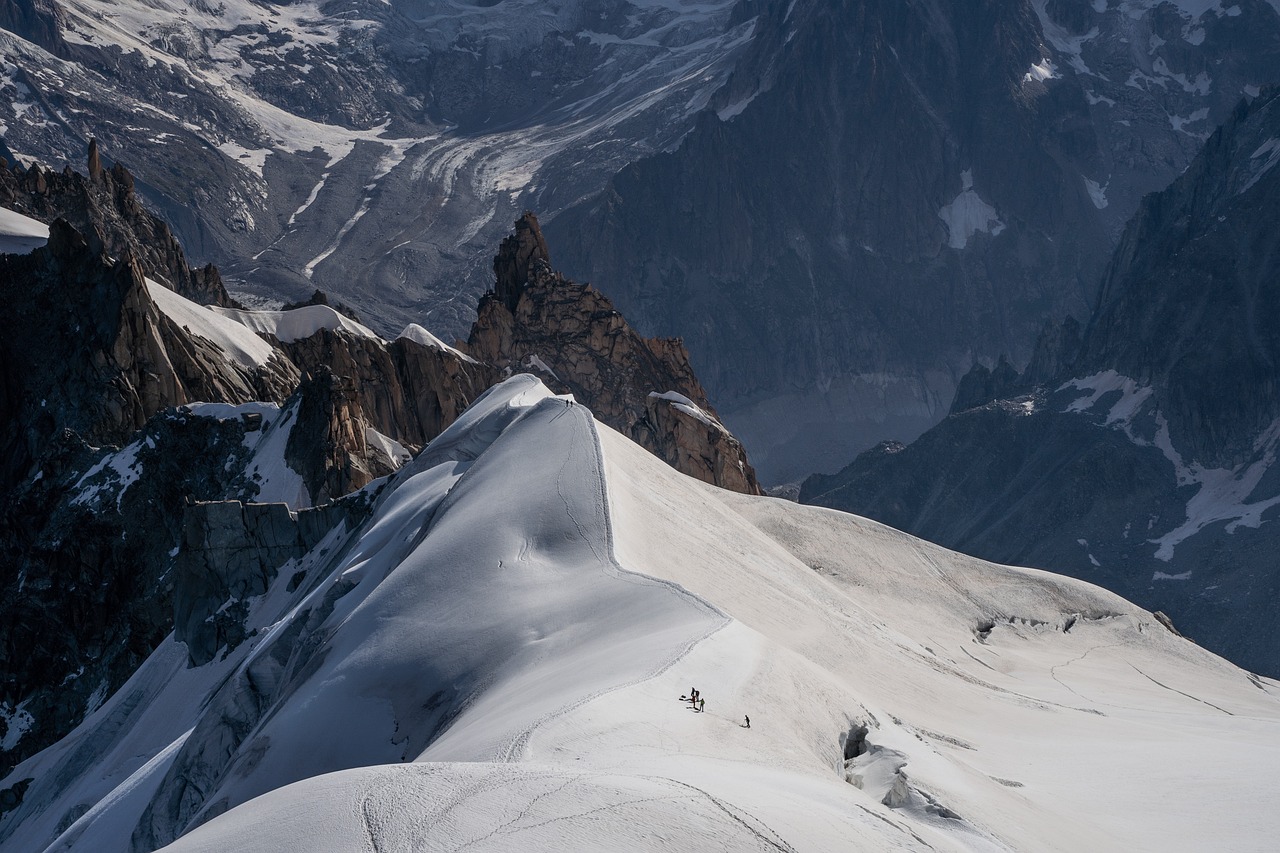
408 390
1141 456
571 337
104 202
86 549
329 443
86 348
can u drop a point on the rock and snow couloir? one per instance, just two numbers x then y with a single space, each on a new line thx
495 659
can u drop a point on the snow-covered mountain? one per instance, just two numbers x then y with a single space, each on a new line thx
1141 454
496 659
374 149
866 196
119 396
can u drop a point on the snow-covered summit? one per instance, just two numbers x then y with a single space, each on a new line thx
496 658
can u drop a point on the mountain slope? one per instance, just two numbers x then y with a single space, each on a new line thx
889 191
374 149
1145 461
521 614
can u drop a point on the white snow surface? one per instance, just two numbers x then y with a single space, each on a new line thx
1224 494
419 335
20 234
240 343
689 407
296 324
507 639
967 214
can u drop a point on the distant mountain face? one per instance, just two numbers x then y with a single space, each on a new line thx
888 190
867 196
377 150
1142 456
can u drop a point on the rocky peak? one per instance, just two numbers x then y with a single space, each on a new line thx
981 385
86 348
571 336
105 202
1055 353
516 257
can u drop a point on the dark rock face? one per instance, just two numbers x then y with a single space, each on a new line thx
37 21
893 190
1191 302
231 552
409 391
328 445
572 338
1142 457
105 203
86 591
85 348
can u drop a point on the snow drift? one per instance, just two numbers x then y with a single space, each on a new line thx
496 660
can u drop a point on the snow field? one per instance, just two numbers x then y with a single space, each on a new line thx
495 660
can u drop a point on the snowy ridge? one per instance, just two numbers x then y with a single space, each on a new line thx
233 337
521 615
20 234
419 335
295 324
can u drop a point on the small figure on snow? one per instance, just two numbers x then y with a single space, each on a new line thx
702 705
748 719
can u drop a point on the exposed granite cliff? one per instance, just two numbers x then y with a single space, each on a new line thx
571 337
86 348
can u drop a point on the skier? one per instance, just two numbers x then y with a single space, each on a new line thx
748 719
702 705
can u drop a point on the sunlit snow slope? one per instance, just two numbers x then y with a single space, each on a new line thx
495 660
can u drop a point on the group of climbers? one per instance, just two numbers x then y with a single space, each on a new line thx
699 704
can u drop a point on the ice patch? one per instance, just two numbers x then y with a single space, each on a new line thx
1068 45
1179 123
1162 576
689 407
1223 493
118 470
1041 71
18 721
1098 194
533 361
967 214
394 451
1271 151
736 108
